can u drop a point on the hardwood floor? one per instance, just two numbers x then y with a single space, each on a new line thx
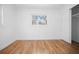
41 47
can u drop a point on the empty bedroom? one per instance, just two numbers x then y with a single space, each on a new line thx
39 29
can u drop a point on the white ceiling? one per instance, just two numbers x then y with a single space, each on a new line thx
45 6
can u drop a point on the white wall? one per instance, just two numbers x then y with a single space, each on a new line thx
25 29
7 29
66 24
58 24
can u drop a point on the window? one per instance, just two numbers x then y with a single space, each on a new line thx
37 19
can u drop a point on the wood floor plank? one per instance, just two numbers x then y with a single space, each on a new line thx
41 47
